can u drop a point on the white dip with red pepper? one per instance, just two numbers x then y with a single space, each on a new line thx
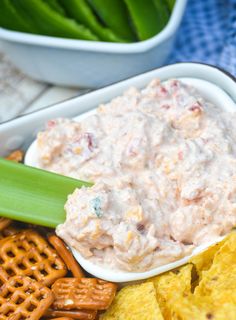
163 161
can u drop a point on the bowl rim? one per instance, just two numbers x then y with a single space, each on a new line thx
99 46
170 65
20 131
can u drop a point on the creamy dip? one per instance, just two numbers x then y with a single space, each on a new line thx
163 161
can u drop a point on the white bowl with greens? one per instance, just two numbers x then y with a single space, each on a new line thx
79 44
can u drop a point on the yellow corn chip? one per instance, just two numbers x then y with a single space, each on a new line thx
203 260
172 285
227 251
223 297
217 279
192 308
226 312
136 302
202 308
214 296
221 275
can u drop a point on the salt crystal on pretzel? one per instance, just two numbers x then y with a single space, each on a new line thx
74 314
84 293
66 256
27 253
22 298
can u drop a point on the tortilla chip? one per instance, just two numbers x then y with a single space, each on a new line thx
223 297
227 311
217 279
214 296
227 251
201 308
221 275
136 302
192 308
172 285
203 260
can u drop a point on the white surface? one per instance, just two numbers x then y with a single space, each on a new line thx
210 92
16 90
89 63
20 95
51 96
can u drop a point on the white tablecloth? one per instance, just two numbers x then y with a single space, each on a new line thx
19 94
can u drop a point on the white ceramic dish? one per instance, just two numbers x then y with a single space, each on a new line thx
217 86
89 63
124 277
210 92
20 132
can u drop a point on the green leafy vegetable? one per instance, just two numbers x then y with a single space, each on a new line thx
33 195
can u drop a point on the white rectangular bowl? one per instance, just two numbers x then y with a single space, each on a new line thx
89 63
20 132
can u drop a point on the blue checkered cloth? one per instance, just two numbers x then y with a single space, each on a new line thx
208 34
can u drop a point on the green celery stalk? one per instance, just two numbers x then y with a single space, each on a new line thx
115 15
32 195
10 19
54 5
82 13
50 22
144 17
163 13
171 4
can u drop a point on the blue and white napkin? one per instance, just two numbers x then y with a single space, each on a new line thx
208 34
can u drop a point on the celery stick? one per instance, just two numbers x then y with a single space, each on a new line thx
82 13
10 19
49 22
54 5
163 13
171 4
115 15
32 195
144 17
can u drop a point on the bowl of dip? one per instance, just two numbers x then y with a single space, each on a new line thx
160 158
161 155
